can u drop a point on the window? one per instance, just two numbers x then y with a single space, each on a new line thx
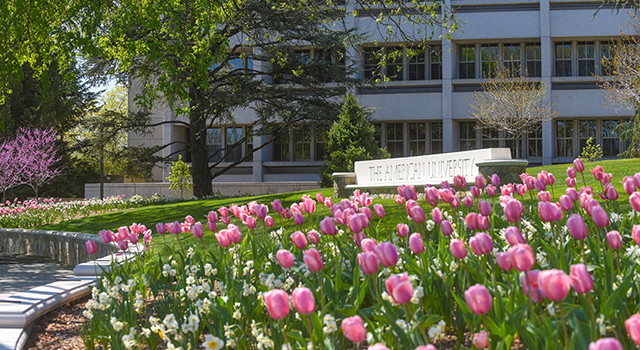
395 140
417 139
467 62
417 61
563 59
587 130
281 147
377 133
606 53
371 60
586 59
394 63
489 58
534 60
436 137
214 144
302 144
233 145
511 58
490 138
610 139
249 144
435 60
510 142
534 141
467 136
564 138
321 142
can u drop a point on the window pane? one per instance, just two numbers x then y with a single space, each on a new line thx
303 145
281 147
394 63
563 60
467 62
586 59
606 54
234 147
534 60
417 63
249 150
489 57
214 144
395 143
436 62
467 136
564 138
436 137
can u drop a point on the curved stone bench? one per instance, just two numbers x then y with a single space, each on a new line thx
508 170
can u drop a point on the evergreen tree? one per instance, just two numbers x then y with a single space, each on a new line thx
350 139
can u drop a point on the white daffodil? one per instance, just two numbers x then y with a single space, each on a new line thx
213 343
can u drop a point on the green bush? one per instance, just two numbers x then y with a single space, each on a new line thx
180 177
350 139
591 152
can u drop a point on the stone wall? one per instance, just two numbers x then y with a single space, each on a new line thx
66 247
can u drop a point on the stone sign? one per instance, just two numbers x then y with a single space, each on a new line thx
421 170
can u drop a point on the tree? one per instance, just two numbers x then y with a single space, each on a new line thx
511 103
180 177
11 167
37 151
350 139
621 80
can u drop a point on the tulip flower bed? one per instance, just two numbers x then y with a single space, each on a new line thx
33 212
499 261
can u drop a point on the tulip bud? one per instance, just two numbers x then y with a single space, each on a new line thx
576 226
614 239
313 260
298 218
571 172
481 244
313 237
368 244
606 344
634 200
504 261
565 203
513 236
386 253
92 248
581 280
417 214
522 257
484 208
416 244
328 226
161 228
600 216
458 249
403 230
353 329
555 284
379 210
632 324
277 302
299 240
478 299
578 165
303 300
436 214
446 227
400 289
269 221
481 340
369 263
285 258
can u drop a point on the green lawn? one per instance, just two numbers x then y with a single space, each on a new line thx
150 215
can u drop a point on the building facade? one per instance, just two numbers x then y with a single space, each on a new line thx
422 109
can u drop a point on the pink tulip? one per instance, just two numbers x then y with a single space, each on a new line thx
634 200
431 196
328 226
577 227
581 280
504 261
353 329
446 227
481 340
495 180
636 179
539 185
399 199
368 244
571 182
416 244
303 300
379 210
635 234
123 244
319 197
107 235
614 239
426 347
600 217
299 239
610 192
313 260
92 248
313 237
472 221
481 244
285 258
629 185
491 190
531 287
484 208
571 172
555 284
544 177
522 257
123 232
269 221
598 172
328 202
467 201
403 230
513 236
386 253
549 212
276 205
161 228
460 182
513 211
572 194
298 218
277 302
417 214
606 344
478 299
223 238
367 212
189 219
565 203
446 195
458 249
436 214
632 324
369 263
483 223
400 289
309 206
133 237
358 237
475 191
578 164
521 189
197 230
544 196
481 182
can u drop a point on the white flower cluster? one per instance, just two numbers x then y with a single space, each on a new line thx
541 258
402 324
330 325
129 340
418 293
167 270
436 332
117 325
230 335
209 270
264 342
191 324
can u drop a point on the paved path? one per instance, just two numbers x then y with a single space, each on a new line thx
23 272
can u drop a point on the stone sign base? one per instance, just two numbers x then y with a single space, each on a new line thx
508 170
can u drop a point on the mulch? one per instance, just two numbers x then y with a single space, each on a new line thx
60 328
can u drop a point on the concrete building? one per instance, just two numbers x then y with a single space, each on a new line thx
423 110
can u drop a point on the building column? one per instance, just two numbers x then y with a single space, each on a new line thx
448 127
167 137
546 48
259 156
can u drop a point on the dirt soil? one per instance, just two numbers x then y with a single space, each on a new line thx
59 328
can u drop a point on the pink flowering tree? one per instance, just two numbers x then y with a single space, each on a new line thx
11 167
37 153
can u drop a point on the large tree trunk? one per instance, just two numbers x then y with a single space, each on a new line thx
200 171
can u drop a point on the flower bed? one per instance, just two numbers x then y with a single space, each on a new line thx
552 275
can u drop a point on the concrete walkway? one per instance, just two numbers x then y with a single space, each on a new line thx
22 272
